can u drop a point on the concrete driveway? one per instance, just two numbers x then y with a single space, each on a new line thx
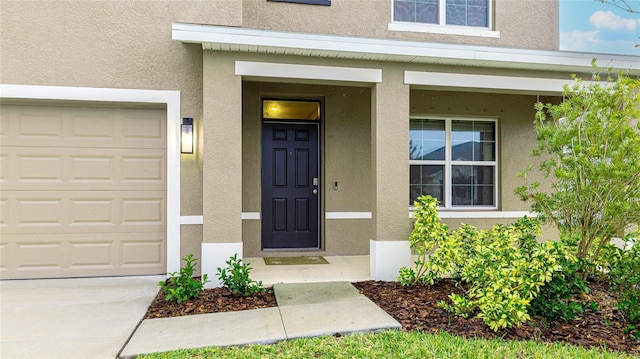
71 318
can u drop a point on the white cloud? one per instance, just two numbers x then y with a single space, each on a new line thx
577 40
610 21
590 41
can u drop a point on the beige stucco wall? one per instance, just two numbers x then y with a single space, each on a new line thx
128 44
522 23
390 103
222 165
190 243
345 155
116 44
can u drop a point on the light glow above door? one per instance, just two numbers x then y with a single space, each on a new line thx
290 110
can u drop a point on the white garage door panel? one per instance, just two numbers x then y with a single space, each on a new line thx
47 126
83 191
128 211
31 168
64 255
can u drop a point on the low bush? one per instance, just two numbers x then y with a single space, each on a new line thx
504 267
236 277
182 286
622 271
562 297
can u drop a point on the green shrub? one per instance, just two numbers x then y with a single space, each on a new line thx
622 267
504 267
428 232
559 298
182 286
236 277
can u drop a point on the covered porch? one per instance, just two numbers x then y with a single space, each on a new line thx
372 92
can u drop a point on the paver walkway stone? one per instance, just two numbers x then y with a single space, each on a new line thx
260 326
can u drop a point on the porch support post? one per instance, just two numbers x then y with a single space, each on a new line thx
389 248
222 163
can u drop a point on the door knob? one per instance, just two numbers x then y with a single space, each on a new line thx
315 191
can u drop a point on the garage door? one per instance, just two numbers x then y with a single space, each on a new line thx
83 191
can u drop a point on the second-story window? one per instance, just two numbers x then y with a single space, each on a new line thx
473 13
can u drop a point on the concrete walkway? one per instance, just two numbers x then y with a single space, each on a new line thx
304 310
71 318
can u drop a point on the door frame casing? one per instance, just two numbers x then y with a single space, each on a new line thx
320 167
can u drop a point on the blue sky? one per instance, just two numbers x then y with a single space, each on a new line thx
591 26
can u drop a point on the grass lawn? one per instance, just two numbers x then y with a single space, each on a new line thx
395 344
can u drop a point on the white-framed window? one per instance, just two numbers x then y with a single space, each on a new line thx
454 160
457 17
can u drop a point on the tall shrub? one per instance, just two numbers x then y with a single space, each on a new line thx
589 146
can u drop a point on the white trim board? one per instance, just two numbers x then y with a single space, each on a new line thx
169 98
308 72
481 214
506 84
191 220
348 215
328 215
250 215
440 29
215 255
387 257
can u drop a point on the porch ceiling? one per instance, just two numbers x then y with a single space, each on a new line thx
222 38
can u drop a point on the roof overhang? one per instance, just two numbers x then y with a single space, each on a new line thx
223 38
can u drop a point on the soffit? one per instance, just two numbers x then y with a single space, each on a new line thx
223 38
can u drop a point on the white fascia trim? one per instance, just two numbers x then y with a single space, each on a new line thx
445 30
307 44
66 93
490 82
250 215
482 214
291 71
191 220
348 215
172 101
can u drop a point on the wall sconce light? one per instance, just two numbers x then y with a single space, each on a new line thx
186 130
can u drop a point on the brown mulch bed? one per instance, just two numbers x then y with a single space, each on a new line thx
211 300
416 309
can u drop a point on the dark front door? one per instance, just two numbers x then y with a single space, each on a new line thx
290 175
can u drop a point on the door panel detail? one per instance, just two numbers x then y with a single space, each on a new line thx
280 167
302 168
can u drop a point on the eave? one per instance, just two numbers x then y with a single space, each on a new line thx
223 38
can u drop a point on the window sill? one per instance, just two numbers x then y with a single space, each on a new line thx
308 2
445 30
478 214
